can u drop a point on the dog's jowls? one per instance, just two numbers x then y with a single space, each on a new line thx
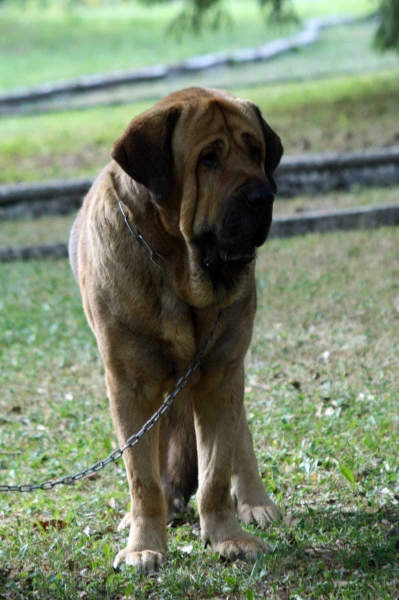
194 175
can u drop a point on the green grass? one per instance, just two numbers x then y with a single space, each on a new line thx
339 51
45 230
346 113
52 229
53 44
322 400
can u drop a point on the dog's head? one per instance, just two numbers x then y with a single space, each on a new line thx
208 160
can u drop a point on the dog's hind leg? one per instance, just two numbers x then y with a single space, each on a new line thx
179 460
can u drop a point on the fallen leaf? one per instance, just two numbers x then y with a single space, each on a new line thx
284 593
87 531
92 476
49 524
324 356
289 519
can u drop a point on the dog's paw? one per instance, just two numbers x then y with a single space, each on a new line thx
261 515
247 548
146 561
175 506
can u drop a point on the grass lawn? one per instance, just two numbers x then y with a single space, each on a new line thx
52 229
54 45
344 50
346 113
322 401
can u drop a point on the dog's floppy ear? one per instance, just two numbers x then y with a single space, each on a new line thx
274 148
144 150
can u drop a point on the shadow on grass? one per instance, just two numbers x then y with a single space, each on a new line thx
323 549
343 539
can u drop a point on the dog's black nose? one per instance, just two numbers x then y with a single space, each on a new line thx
258 193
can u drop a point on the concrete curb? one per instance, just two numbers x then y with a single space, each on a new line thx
38 199
363 217
12 253
89 83
322 173
306 175
370 217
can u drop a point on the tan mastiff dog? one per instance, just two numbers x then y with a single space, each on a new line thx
194 176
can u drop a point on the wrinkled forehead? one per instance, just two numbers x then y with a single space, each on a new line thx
218 118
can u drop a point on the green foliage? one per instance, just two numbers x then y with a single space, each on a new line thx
387 36
280 10
200 15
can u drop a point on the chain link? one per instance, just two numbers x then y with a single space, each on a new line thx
138 236
133 440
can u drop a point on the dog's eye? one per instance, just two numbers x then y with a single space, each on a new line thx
255 154
209 160
253 148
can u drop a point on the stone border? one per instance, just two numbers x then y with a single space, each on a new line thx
369 217
37 199
145 94
363 217
89 83
11 253
322 173
306 175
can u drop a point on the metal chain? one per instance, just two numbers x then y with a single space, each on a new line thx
138 236
134 439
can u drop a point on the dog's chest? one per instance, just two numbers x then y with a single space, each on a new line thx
178 329
184 328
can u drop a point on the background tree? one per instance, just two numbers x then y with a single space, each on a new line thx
387 36
211 13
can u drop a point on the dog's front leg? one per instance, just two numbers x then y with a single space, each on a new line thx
252 503
131 406
217 413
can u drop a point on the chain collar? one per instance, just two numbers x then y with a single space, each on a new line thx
138 236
